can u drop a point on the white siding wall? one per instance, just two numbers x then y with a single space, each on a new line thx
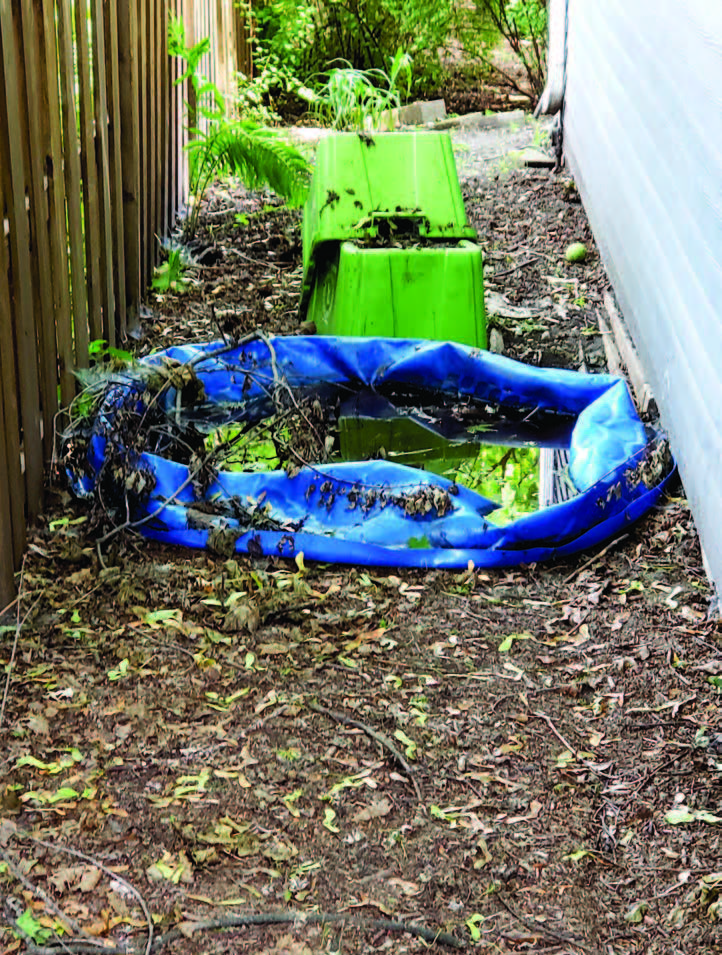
643 137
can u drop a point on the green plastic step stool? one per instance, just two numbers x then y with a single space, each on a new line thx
433 292
387 248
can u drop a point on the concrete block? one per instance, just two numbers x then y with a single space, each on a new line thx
422 113
482 121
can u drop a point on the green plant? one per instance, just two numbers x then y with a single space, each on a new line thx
169 275
219 143
479 27
356 99
294 38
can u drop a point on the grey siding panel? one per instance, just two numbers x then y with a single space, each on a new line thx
643 136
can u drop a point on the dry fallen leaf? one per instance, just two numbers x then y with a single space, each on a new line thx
378 807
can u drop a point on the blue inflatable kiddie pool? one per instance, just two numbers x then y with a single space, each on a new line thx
370 512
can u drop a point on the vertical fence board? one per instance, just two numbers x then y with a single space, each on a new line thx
102 156
10 433
12 498
130 150
115 162
22 294
89 172
142 6
40 250
71 151
153 133
161 116
57 229
7 557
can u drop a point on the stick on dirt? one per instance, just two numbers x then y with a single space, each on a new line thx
380 738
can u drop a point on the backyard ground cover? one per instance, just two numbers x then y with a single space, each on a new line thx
365 760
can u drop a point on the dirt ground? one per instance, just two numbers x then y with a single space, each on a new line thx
508 761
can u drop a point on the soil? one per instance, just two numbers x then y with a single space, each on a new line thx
525 760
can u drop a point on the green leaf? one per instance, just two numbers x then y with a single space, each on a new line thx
408 743
120 671
636 914
65 792
32 928
161 616
508 641
473 923
678 817
328 817
577 855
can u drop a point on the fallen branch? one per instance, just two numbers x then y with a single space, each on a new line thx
42 894
380 738
565 743
566 937
516 268
21 834
430 936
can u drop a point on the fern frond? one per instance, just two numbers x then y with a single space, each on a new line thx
257 155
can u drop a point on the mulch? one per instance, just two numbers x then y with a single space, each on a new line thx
525 760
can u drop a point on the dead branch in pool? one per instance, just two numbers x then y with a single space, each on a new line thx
280 382
380 738
131 525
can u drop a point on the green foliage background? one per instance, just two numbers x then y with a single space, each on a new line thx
296 40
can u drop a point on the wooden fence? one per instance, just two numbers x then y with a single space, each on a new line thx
92 172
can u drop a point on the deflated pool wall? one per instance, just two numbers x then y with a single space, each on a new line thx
378 512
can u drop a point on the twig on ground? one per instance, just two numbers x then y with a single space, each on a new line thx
76 853
552 727
566 937
593 560
516 268
430 936
41 894
380 738
15 644
19 624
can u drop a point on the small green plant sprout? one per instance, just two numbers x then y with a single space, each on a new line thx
221 143
473 923
540 136
32 929
117 673
358 99
169 276
100 351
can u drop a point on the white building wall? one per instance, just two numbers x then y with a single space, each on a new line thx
643 138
